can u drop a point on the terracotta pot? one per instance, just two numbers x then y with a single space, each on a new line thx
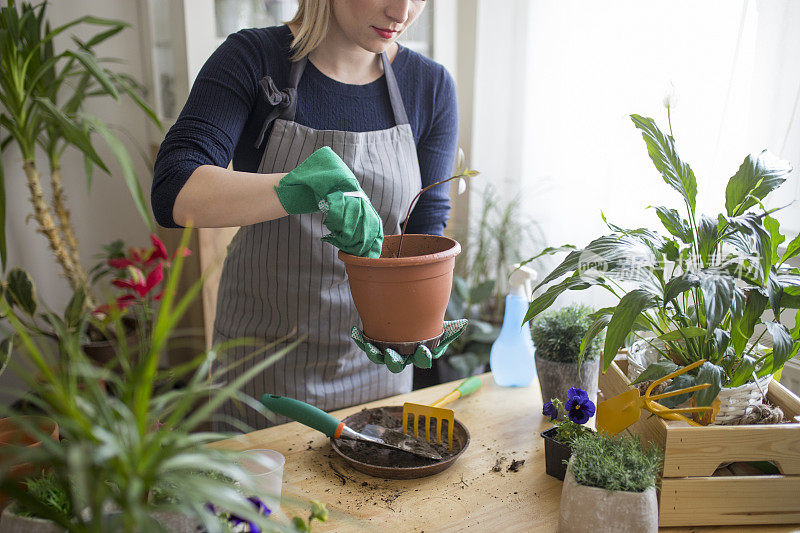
403 300
12 434
590 509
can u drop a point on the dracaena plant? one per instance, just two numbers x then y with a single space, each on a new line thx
43 94
696 289
131 442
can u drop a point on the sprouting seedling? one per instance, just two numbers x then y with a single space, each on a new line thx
461 173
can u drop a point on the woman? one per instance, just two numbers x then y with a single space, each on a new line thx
267 99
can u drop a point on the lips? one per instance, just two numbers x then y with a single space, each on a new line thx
384 33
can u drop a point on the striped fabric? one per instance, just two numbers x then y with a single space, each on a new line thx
279 275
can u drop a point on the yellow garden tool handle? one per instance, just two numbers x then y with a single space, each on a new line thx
467 387
671 414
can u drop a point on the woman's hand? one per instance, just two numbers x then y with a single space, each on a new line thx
324 183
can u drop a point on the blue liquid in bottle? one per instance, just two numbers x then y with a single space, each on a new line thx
511 358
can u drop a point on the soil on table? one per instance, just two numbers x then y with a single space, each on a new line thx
375 455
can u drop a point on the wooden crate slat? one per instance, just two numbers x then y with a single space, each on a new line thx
699 451
729 500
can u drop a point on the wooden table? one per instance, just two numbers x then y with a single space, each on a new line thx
504 425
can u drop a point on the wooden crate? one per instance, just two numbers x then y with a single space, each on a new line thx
691 495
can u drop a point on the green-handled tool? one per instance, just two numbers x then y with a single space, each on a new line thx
315 418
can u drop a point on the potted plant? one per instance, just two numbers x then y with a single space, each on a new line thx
125 460
610 486
14 434
402 295
557 337
698 290
568 420
44 93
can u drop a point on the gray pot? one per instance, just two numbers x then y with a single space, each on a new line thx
555 378
590 509
10 522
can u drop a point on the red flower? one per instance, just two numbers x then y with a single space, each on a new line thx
159 250
120 263
139 283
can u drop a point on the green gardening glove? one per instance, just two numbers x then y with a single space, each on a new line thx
423 357
324 183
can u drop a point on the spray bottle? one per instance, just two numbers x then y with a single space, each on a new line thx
511 359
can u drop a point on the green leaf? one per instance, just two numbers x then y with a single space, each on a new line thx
742 327
757 176
21 290
6 346
545 300
656 370
720 295
752 225
481 292
708 373
688 332
89 61
679 382
773 227
480 331
73 133
680 284
128 170
461 288
792 250
73 314
743 371
707 237
600 322
782 344
3 248
661 148
621 324
674 224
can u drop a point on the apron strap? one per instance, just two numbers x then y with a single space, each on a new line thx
284 101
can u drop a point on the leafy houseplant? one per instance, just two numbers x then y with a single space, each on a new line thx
568 420
557 336
44 94
127 458
700 289
610 485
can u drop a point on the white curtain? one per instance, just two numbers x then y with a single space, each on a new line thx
556 81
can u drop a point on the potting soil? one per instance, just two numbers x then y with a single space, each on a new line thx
376 455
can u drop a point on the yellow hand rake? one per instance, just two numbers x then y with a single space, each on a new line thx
436 413
619 412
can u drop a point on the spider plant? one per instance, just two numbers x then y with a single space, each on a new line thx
699 289
43 95
134 447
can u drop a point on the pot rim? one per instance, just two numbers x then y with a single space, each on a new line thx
8 427
382 262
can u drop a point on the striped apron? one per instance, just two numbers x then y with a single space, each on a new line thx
278 275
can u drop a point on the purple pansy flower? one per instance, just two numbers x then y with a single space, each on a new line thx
550 410
579 407
236 520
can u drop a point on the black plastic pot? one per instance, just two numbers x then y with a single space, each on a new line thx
556 454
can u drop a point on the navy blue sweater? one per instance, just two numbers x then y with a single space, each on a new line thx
225 111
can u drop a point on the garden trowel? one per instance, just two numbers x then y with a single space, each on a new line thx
619 412
315 418
436 412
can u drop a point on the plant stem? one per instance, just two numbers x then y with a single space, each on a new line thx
465 174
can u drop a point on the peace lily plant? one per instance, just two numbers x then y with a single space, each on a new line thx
699 289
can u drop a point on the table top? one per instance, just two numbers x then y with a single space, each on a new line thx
504 425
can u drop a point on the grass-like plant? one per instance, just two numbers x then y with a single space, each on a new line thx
121 450
49 492
557 334
696 290
617 463
43 94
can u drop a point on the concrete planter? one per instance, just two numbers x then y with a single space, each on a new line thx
556 378
10 522
591 509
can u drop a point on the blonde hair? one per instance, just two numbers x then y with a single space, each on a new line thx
312 19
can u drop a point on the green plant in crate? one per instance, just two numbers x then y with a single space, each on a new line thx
700 288
126 456
44 93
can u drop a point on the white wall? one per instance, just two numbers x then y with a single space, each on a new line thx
106 212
